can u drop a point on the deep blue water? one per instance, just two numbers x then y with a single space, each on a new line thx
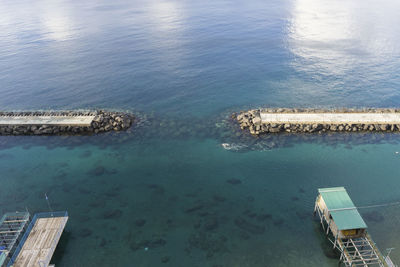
183 67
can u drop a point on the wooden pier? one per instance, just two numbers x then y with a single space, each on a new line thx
341 220
40 240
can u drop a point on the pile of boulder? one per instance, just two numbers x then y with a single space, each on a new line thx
103 121
252 120
111 121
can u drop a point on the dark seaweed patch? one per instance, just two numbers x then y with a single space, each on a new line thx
85 232
100 170
157 189
211 224
165 259
85 154
234 181
103 242
279 222
217 198
140 222
263 217
294 198
97 171
112 214
249 227
193 208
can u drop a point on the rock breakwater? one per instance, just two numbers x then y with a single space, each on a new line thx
63 122
270 120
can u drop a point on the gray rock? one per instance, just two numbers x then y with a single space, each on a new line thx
274 129
257 121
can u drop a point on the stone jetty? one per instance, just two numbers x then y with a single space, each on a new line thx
63 122
276 120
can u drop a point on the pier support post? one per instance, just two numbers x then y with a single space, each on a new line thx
327 228
315 206
334 243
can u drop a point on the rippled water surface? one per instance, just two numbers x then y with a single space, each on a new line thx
166 193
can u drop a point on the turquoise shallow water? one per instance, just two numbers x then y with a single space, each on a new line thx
166 193
184 200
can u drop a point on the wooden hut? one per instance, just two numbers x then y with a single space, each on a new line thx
339 212
340 217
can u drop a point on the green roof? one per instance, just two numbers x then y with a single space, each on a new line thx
339 204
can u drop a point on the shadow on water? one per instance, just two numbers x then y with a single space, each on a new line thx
221 127
326 246
61 248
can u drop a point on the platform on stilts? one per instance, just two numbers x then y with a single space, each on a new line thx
40 240
341 219
12 226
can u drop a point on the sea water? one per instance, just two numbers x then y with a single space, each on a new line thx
167 192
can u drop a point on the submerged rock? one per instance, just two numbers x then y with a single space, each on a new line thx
112 214
193 208
85 232
279 222
263 217
140 222
211 224
67 187
252 215
217 198
249 227
97 171
103 242
85 154
210 243
157 189
165 259
98 203
234 181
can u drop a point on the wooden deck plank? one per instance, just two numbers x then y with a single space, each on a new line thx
38 245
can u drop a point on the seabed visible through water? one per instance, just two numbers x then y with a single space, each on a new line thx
179 202
167 192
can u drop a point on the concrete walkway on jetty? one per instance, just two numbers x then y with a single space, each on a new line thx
275 120
47 120
331 118
63 122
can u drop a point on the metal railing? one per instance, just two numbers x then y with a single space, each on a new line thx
29 229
